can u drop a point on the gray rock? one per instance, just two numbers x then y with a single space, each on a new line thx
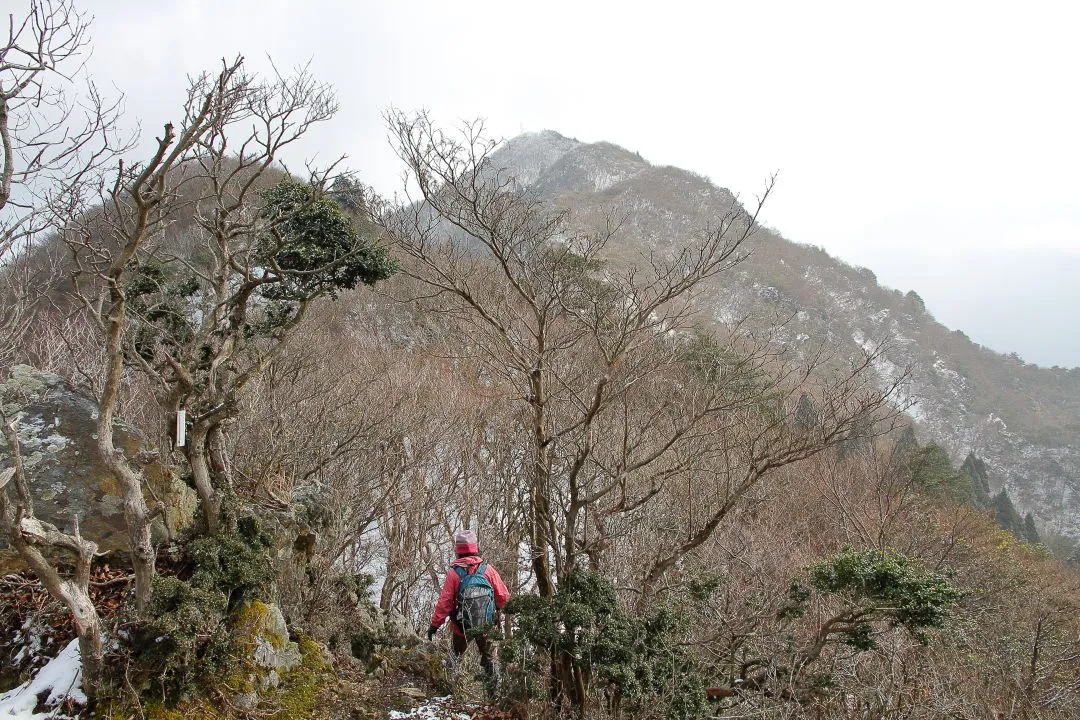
262 627
246 700
270 680
58 444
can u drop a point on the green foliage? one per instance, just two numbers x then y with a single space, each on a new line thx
1031 533
907 443
370 638
859 440
916 300
349 195
722 367
931 469
1006 515
159 304
237 564
185 638
275 314
574 278
315 247
636 659
861 636
885 585
701 587
976 470
296 696
806 415
798 598
708 359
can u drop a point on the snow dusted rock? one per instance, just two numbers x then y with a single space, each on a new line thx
436 707
58 444
531 154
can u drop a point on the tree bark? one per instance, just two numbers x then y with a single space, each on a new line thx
75 596
209 498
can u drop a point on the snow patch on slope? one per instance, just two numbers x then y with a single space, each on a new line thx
58 682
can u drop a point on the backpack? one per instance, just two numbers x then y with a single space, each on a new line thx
476 598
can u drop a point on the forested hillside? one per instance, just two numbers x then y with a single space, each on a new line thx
246 410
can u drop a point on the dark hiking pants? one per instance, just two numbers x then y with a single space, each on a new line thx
460 643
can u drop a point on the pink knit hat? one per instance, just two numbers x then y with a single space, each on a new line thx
465 542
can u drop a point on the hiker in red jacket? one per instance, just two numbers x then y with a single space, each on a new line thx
487 594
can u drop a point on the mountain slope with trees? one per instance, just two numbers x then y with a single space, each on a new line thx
700 507
1022 420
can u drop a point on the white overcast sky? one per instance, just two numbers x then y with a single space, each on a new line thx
935 143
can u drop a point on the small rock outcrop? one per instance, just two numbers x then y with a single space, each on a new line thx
261 628
58 443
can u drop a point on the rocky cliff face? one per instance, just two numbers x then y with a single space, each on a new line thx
1024 421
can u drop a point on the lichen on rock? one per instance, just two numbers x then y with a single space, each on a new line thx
57 428
261 628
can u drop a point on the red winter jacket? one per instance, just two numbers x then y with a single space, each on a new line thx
448 597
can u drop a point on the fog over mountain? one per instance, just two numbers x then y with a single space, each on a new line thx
948 171
1013 298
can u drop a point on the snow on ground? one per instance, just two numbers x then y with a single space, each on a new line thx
437 708
60 681
890 372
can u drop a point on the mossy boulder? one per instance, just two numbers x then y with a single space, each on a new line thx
376 633
296 695
260 628
57 429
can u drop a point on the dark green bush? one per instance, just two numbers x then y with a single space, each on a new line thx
184 638
636 662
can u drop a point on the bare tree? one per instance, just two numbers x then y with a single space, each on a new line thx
583 344
623 408
202 312
55 142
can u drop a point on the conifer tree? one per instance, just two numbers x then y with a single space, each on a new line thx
976 470
1006 516
1031 533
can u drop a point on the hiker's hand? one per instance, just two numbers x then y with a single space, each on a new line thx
431 633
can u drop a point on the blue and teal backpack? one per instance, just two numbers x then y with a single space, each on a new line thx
476 598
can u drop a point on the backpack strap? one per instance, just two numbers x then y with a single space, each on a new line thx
478 569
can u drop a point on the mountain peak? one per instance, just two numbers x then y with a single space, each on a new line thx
963 390
554 162
529 154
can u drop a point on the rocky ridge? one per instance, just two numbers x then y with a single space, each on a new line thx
1023 420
